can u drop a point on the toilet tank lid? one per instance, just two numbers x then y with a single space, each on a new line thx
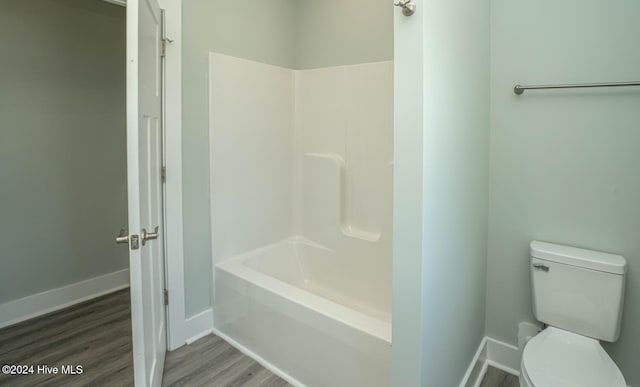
573 256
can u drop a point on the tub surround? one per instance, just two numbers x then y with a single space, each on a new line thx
301 182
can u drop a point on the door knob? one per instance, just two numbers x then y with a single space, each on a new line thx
123 237
147 235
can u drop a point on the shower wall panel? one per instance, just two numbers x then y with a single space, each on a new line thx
305 153
304 190
344 121
251 141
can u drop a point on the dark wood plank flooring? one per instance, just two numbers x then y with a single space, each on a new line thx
498 378
97 335
212 361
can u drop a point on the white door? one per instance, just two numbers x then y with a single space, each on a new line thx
144 163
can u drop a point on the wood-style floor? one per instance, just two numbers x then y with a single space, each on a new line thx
212 361
497 378
97 335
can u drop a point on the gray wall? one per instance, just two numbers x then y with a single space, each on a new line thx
62 143
278 32
336 32
564 164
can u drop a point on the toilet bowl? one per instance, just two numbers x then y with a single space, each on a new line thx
558 358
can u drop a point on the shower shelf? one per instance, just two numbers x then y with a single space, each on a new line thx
338 172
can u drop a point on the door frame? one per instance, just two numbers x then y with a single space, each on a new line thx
172 107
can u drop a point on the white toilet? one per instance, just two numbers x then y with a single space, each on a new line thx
579 294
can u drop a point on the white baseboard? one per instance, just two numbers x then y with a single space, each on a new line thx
198 326
260 360
495 353
478 366
25 308
503 356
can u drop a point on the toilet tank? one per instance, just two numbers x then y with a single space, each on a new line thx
578 290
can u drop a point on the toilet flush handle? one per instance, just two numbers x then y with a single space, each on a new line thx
540 266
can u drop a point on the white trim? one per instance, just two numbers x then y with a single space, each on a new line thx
478 366
212 191
25 308
259 359
503 356
480 377
177 331
198 326
495 353
122 3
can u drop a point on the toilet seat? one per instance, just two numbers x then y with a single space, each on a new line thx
557 358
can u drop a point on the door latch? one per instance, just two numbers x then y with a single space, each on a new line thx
135 245
131 240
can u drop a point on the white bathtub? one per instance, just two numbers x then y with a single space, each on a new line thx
301 308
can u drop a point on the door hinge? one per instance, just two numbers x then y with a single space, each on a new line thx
166 296
163 174
163 46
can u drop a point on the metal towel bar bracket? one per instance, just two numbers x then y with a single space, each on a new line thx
519 89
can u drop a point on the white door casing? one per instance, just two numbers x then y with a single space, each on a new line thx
144 184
